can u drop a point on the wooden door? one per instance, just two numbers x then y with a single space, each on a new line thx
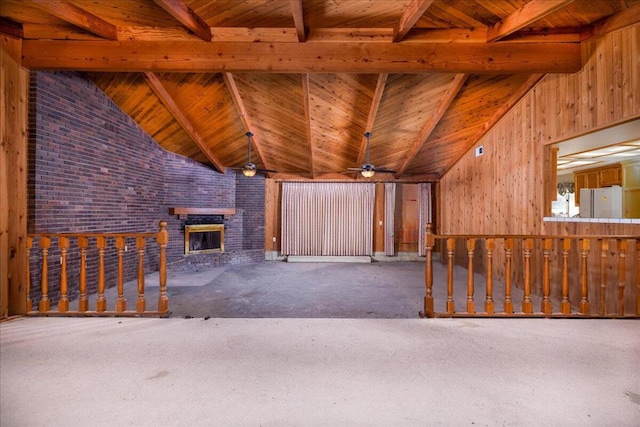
407 218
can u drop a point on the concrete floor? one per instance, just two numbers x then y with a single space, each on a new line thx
383 290
280 344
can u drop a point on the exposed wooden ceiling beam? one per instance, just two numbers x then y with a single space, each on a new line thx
255 35
355 57
186 17
624 18
10 27
531 12
298 19
307 121
230 82
409 18
432 121
373 111
500 112
79 17
165 97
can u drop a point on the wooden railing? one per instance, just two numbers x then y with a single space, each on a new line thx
82 245
542 258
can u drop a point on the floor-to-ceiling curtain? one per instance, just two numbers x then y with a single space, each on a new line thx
389 216
327 218
424 206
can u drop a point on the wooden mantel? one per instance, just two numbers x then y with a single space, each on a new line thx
202 211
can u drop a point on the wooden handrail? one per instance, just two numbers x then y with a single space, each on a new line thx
102 244
571 271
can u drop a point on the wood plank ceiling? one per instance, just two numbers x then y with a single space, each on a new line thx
428 78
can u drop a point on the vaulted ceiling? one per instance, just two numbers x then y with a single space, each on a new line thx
428 78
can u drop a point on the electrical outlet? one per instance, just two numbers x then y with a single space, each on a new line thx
126 248
273 239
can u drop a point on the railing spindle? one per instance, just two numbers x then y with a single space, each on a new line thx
527 306
63 303
45 304
428 274
163 239
508 250
604 247
121 302
101 303
28 284
451 244
488 303
585 306
622 252
565 304
471 243
83 303
545 305
573 255
105 264
141 303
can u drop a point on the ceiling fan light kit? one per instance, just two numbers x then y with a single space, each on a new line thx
368 170
249 170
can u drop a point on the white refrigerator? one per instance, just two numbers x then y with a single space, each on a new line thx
601 202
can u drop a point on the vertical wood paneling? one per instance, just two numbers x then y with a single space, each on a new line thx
389 218
425 215
378 219
508 181
13 179
502 192
272 215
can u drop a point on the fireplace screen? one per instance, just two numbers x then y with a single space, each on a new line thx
203 238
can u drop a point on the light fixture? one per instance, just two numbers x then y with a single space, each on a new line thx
249 170
367 170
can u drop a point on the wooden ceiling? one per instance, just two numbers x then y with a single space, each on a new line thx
428 78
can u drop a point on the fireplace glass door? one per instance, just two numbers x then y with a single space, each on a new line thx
203 238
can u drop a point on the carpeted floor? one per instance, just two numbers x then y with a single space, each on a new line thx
319 372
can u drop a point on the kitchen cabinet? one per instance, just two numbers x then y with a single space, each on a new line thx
631 188
605 176
610 177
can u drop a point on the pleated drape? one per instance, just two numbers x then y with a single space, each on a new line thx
389 218
425 208
327 219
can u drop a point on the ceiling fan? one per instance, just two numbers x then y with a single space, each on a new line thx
249 169
367 170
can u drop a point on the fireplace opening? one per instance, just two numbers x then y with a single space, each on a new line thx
203 238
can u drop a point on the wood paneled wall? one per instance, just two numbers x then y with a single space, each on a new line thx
13 178
503 191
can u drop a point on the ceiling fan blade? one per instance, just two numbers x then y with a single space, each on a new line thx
267 170
384 170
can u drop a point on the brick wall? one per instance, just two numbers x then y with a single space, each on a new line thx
93 169
250 196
